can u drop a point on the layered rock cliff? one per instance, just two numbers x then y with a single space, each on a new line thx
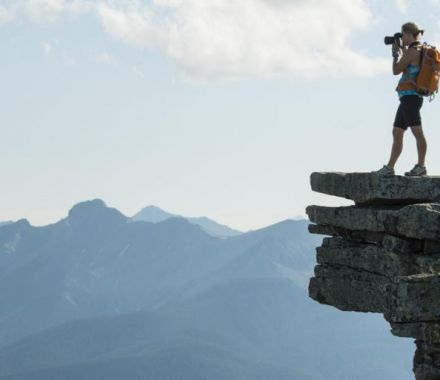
382 255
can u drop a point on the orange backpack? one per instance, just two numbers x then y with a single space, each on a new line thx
428 77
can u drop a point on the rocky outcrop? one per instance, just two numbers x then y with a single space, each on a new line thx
382 255
364 188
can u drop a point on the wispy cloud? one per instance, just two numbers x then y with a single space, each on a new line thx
402 5
138 71
130 22
224 39
6 14
42 10
234 39
435 37
38 9
107 58
47 47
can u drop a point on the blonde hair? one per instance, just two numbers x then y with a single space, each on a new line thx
412 28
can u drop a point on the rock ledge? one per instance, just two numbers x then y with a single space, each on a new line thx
382 255
369 188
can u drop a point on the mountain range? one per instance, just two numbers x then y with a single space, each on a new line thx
155 214
102 295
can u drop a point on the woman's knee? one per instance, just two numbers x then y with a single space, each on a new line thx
398 133
417 131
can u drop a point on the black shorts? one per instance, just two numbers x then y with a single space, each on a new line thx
408 113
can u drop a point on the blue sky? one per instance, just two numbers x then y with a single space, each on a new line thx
219 108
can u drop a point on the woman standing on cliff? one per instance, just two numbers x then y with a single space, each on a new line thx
408 112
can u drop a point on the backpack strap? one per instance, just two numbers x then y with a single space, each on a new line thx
415 43
422 53
410 83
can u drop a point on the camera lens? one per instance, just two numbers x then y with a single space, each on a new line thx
389 40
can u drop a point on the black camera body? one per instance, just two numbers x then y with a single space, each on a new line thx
394 39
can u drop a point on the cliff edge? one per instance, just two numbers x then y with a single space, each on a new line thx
382 255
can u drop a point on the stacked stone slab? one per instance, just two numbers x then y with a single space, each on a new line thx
382 255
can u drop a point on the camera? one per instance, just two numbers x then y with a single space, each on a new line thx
390 40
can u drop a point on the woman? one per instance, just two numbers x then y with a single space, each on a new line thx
408 112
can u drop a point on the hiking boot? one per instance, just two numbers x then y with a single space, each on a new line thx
385 170
417 170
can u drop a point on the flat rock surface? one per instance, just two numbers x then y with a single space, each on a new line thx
426 331
370 188
414 298
390 242
349 292
419 221
374 259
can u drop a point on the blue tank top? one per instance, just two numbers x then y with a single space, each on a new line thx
411 73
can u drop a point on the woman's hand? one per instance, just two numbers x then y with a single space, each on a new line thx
396 51
400 65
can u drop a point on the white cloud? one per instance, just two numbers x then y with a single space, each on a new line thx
6 14
435 36
138 71
47 47
402 5
107 58
130 23
41 9
233 39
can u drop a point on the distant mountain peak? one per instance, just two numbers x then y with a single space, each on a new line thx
153 207
19 224
87 206
152 214
155 214
22 222
95 210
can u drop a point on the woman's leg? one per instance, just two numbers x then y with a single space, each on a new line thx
397 146
421 143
